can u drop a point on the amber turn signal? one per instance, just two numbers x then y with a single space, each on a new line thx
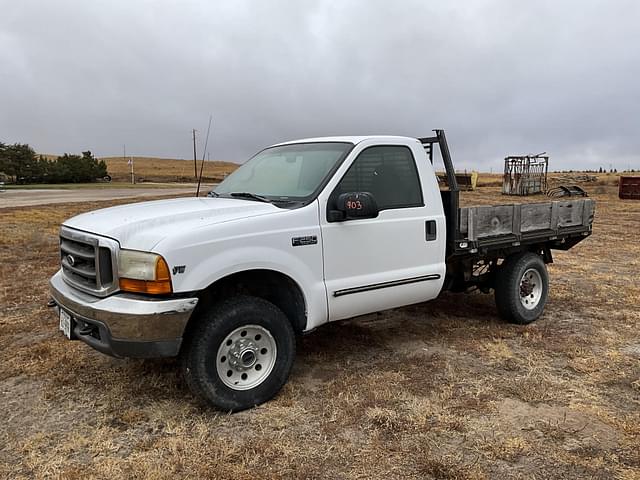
161 285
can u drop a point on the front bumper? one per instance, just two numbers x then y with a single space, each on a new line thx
124 325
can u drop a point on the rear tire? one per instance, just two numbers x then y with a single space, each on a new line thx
239 354
522 288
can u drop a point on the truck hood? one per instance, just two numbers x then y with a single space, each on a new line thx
141 226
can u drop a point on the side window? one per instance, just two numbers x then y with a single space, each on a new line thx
389 173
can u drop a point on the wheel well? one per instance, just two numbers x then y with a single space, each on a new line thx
275 287
466 272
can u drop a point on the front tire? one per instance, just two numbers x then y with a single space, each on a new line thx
239 354
522 288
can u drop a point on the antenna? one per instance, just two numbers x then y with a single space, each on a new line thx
203 154
195 160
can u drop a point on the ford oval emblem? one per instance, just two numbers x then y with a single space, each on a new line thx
70 260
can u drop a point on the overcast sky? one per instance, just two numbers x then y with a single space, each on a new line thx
502 77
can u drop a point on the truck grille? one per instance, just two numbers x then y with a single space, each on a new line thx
88 261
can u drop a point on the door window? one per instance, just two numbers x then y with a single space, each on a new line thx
389 173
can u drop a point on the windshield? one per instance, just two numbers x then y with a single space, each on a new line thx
284 173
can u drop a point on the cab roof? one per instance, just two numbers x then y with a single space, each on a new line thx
355 139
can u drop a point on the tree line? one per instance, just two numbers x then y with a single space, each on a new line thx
21 164
600 170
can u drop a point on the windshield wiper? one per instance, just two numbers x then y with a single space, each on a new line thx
251 196
213 194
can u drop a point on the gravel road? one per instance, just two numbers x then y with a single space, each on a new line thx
28 197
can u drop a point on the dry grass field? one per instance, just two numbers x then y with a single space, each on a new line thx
438 390
152 169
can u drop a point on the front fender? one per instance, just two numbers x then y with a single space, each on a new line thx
227 262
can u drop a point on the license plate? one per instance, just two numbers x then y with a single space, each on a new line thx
65 323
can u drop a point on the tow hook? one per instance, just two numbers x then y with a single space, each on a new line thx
87 330
51 303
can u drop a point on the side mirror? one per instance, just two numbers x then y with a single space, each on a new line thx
354 205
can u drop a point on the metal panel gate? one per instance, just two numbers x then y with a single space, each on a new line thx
525 175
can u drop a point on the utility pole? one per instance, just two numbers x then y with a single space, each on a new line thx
195 160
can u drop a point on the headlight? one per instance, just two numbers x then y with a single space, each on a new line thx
143 272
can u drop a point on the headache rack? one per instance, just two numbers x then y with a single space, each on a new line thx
450 197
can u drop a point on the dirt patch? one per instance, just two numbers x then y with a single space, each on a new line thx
633 350
576 430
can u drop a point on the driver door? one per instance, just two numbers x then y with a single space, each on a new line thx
378 263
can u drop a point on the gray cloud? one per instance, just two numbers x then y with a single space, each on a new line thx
502 77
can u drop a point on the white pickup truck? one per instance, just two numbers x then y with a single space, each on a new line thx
304 233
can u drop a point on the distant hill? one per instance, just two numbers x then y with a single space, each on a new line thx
153 169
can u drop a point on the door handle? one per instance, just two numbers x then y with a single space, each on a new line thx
430 230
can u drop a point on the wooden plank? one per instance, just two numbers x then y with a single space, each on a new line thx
517 216
535 216
570 213
493 220
471 225
554 216
587 212
464 217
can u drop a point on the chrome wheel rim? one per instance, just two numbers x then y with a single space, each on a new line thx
246 357
530 289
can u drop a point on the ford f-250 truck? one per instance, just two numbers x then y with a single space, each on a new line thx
304 233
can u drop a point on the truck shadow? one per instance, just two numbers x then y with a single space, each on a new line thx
382 341
449 316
